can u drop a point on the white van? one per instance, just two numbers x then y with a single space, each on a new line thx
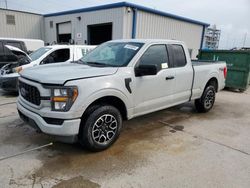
46 55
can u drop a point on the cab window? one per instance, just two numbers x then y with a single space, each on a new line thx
177 55
155 55
61 55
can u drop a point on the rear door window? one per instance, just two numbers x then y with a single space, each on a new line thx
177 55
57 56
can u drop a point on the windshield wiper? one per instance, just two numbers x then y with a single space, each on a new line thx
93 63
79 62
97 63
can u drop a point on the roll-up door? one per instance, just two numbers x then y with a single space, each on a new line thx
64 32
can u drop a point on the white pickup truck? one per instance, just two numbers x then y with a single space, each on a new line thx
87 100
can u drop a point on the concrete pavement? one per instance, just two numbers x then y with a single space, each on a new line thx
176 147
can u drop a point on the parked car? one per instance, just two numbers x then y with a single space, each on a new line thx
26 45
119 80
50 54
6 56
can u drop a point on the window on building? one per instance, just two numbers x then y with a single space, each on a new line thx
10 19
177 55
51 24
155 55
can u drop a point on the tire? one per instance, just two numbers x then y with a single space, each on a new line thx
101 127
206 102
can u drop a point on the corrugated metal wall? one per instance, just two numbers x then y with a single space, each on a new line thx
127 23
114 15
156 26
26 25
148 26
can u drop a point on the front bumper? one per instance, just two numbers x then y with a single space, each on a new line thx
9 83
68 128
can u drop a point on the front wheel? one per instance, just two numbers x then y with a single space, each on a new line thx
101 128
206 102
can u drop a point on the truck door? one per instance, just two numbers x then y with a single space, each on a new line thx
154 91
183 73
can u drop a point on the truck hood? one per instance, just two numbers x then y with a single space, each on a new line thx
63 72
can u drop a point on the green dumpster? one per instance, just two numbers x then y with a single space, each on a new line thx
238 66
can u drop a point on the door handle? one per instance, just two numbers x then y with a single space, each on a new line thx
169 77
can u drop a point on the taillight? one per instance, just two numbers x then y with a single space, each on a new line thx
225 72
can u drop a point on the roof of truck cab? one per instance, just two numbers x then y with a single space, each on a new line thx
149 41
68 46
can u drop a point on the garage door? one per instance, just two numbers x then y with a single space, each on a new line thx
64 32
99 33
64 28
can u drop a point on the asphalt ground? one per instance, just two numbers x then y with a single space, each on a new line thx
176 147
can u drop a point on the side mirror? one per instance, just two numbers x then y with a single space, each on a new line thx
144 70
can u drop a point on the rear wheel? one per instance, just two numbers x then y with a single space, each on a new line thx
101 128
206 102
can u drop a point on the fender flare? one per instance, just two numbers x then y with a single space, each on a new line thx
209 77
110 92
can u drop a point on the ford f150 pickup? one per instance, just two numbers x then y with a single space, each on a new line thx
87 100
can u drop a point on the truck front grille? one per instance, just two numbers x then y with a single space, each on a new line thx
29 93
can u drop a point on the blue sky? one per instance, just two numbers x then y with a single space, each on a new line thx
232 17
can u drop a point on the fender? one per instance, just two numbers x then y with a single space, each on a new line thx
211 75
105 93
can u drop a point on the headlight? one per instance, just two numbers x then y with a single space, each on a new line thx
63 98
17 69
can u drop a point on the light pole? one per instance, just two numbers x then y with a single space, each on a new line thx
245 38
6 4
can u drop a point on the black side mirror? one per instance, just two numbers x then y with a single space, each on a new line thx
144 70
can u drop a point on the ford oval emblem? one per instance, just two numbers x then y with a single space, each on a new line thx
23 92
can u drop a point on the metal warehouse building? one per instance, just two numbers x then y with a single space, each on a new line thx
123 20
98 24
19 24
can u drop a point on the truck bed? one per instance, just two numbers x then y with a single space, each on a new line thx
200 62
203 69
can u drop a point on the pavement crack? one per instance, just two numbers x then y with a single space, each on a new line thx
8 116
7 103
180 128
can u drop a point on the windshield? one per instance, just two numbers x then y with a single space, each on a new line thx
116 54
38 53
